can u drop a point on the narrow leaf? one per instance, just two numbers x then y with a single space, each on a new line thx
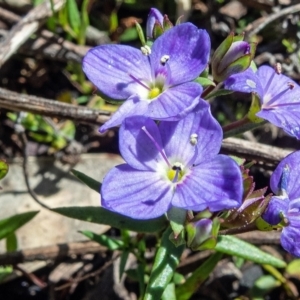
111 243
166 260
234 246
73 15
90 182
187 289
100 215
3 168
11 242
11 224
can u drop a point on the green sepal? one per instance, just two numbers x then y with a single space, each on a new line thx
238 66
140 32
221 92
157 30
254 109
205 82
90 182
100 215
238 37
167 24
233 246
179 239
222 49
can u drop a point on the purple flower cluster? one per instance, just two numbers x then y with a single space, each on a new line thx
168 137
284 208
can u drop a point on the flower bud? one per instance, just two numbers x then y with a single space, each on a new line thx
157 24
231 57
155 19
202 234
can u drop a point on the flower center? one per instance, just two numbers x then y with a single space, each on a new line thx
154 92
176 173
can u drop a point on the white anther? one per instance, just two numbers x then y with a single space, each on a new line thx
146 50
164 59
251 83
194 139
177 166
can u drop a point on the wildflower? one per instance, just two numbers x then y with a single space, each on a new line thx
157 85
233 56
172 164
279 96
284 208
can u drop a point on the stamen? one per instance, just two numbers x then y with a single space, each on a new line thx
270 81
194 139
139 82
177 167
164 59
146 50
290 86
278 68
156 145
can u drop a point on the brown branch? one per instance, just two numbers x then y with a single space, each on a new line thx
261 23
254 151
51 252
25 28
21 102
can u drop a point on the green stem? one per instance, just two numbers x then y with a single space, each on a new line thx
240 126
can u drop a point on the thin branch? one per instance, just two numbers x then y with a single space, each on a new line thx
53 252
261 23
254 151
28 25
51 108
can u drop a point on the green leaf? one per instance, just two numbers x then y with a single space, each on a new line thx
5 272
234 246
100 215
111 243
218 93
187 289
293 268
11 242
85 21
3 168
166 260
90 182
205 82
11 224
73 15
262 286
123 261
169 293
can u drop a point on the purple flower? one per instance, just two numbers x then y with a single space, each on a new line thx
279 96
157 85
284 209
154 17
172 164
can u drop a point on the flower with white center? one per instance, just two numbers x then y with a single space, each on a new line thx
164 169
158 85
279 96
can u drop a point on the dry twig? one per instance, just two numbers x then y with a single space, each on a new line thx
20 33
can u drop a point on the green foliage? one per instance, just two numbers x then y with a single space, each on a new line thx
10 225
44 131
100 215
90 182
166 260
233 246
3 168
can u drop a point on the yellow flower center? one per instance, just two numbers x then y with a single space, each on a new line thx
154 92
176 173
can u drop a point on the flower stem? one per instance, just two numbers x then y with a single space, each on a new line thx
239 127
